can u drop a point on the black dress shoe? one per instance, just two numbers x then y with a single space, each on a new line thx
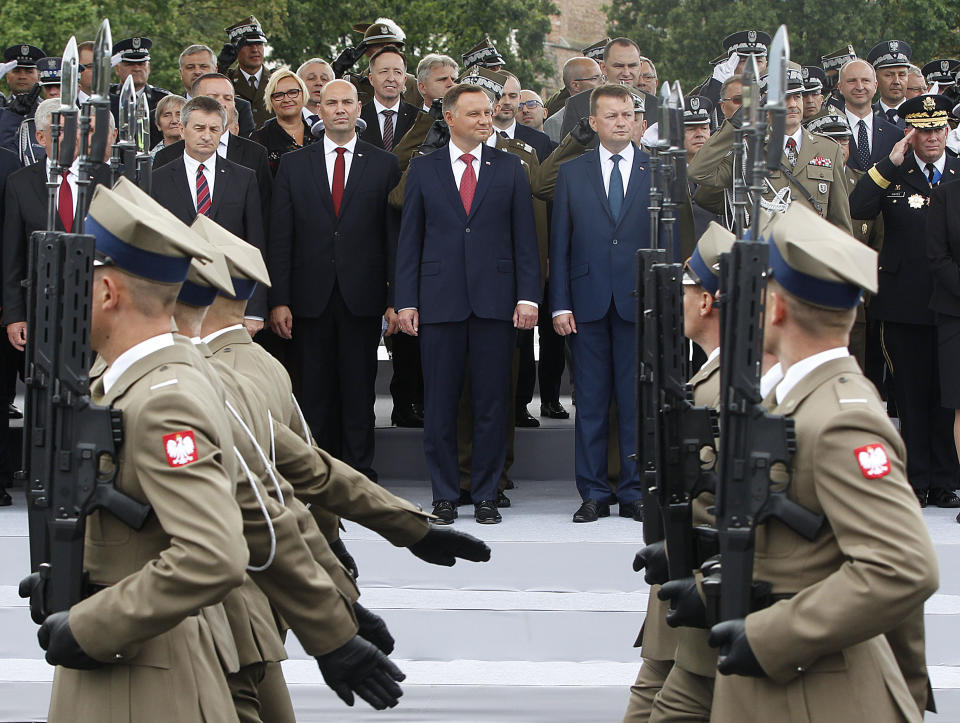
5 499
553 410
591 511
525 419
943 498
921 497
509 484
445 511
14 413
633 510
405 415
486 513
465 498
503 500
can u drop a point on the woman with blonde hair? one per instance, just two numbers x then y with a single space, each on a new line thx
285 94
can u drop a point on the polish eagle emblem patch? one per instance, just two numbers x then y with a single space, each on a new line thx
180 448
873 461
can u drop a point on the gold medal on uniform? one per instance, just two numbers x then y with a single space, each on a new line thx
916 201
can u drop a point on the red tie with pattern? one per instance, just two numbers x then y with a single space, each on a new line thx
65 204
468 183
339 176
203 193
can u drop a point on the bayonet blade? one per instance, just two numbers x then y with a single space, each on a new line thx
753 112
128 101
665 121
102 51
777 67
69 75
143 123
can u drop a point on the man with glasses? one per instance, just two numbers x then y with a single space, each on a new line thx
531 112
731 96
814 81
579 74
916 83
648 76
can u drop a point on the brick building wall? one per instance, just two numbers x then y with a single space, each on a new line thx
579 24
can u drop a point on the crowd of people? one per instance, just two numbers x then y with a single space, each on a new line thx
449 213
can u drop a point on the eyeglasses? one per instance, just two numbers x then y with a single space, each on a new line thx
736 100
292 94
591 79
531 104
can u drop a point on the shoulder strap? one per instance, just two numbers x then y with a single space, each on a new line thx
803 191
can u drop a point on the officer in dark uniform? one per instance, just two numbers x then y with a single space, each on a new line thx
899 188
832 62
28 148
135 61
737 47
484 54
246 42
24 91
383 31
891 59
943 72
697 127
814 82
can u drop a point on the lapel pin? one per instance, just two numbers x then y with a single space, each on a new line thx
487 163
359 155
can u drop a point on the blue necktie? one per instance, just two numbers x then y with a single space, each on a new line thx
615 196
863 147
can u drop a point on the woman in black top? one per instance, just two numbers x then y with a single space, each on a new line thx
286 95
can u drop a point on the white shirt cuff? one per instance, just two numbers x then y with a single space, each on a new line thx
562 311
407 308
254 318
529 303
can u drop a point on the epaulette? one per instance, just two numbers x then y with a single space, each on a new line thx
520 145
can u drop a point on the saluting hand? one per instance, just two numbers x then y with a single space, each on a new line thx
903 145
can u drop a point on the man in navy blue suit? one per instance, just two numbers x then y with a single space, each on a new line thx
599 221
468 274
873 135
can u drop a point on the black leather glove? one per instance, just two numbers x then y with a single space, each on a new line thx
358 667
345 558
686 605
437 137
443 547
740 659
32 587
62 648
653 560
736 120
347 59
25 103
227 56
373 629
436 109
582 132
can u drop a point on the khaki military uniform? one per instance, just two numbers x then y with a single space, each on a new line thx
261 112
189 554
819 170
556 101
869 232
869 569
408 146
687 693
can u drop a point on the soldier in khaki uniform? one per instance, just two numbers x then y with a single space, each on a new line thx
811 167
139 636
382 31
819 653
246 45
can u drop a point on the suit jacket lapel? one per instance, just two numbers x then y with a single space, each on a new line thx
181 182
488 166
596 181
448 182
912 175
353 180
369 114
405 120
638 172
234 149
320 180
220 185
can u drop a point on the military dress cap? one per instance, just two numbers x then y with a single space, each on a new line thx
204 279
133 50
836 59
639 103
703 267
246 31
814 79
50 70
484 54
795 82
25 55
817 262
926 111
490 81
747 42
244 260
832 125
595 51
942 71
889 53
697 110
382 31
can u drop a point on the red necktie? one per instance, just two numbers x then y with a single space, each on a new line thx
203 193
339 175
468 184
65 204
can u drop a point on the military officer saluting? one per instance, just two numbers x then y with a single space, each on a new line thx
245 46
383 31
819 653
811 167
122 651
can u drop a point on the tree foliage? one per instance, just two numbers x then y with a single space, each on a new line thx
683 36
297 29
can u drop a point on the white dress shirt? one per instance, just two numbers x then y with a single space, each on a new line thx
771 379
381 118
797 137
802 368
220 332
222 146
132 355
71 180
606 167
939 164
510 130
330 156
854 121
209 166
884 107
257 76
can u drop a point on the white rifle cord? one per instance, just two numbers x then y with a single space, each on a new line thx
304 427
273 441
266 515
263 457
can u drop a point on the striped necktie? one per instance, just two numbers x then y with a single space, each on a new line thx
203 193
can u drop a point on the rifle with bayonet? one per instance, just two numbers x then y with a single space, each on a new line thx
144 160
124 150
753 442
70 443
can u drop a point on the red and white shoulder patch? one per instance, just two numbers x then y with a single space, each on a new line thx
873 461
180 448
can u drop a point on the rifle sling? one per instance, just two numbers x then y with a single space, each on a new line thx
806 194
